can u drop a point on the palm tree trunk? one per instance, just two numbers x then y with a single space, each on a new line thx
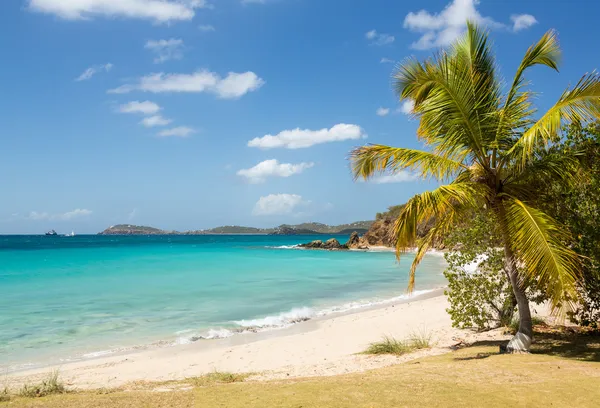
521 342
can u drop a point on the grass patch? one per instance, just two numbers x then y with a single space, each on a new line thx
216 378
389 345
49 386
4 395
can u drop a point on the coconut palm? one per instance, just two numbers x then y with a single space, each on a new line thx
489 150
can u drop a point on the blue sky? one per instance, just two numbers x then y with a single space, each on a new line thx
191 114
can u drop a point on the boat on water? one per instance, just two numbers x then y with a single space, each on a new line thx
72 234
51 233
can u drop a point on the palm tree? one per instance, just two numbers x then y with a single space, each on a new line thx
488 151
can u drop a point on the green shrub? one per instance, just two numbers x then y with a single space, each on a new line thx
389 345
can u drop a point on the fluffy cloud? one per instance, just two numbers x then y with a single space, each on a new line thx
206 28
181 131
522 21
233 86
272 168
399 177
379 38
165 50
161 11
382 111
443 28
145 107
278 204
91 71
407 107
70 215
301 138
156 120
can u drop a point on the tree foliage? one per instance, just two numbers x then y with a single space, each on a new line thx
578 207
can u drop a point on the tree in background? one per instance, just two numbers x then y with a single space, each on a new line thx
485 144
578 207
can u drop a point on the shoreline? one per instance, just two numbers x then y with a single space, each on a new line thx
325 345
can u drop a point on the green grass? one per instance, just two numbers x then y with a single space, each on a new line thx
4 395
562 371
389 345
49 386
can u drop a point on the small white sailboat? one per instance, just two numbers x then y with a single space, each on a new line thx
72 234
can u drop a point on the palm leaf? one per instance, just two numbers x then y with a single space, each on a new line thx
581 104
540 245
367 160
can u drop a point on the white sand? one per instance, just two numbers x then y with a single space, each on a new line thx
327 346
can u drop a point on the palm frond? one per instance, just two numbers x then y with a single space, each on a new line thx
540 245
581 104
368 160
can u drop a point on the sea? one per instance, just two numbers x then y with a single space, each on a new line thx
65 299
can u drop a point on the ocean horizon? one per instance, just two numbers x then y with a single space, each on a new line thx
71 298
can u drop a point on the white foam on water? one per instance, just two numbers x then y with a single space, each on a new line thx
281 320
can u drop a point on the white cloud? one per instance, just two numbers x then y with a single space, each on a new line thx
443 28
166 50
161 11
399 177
70 215
145 107
379 38
91 71
233 86
206 28
272 168
407 107
522 21
156 120
181 131
382 111
278 204
387 61
301 138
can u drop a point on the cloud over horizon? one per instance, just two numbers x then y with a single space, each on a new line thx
272 168
278 204
68 216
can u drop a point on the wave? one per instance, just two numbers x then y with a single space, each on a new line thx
297 246
286 319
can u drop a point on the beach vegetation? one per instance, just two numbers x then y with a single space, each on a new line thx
578 207
4 394
217 377
389 345
48 386
485 144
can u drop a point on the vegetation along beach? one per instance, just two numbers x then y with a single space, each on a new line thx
231 229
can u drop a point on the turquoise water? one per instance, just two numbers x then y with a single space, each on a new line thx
66 298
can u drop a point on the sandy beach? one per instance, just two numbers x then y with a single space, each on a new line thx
320 347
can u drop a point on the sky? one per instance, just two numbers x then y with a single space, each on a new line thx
190 114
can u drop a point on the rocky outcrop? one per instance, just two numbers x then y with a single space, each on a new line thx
331 244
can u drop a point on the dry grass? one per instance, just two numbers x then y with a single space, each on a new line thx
560 373
49 386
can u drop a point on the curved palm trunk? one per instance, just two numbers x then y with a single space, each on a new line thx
521 342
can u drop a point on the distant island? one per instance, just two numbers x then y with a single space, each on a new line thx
310 228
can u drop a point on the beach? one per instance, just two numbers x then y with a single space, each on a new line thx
327 346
